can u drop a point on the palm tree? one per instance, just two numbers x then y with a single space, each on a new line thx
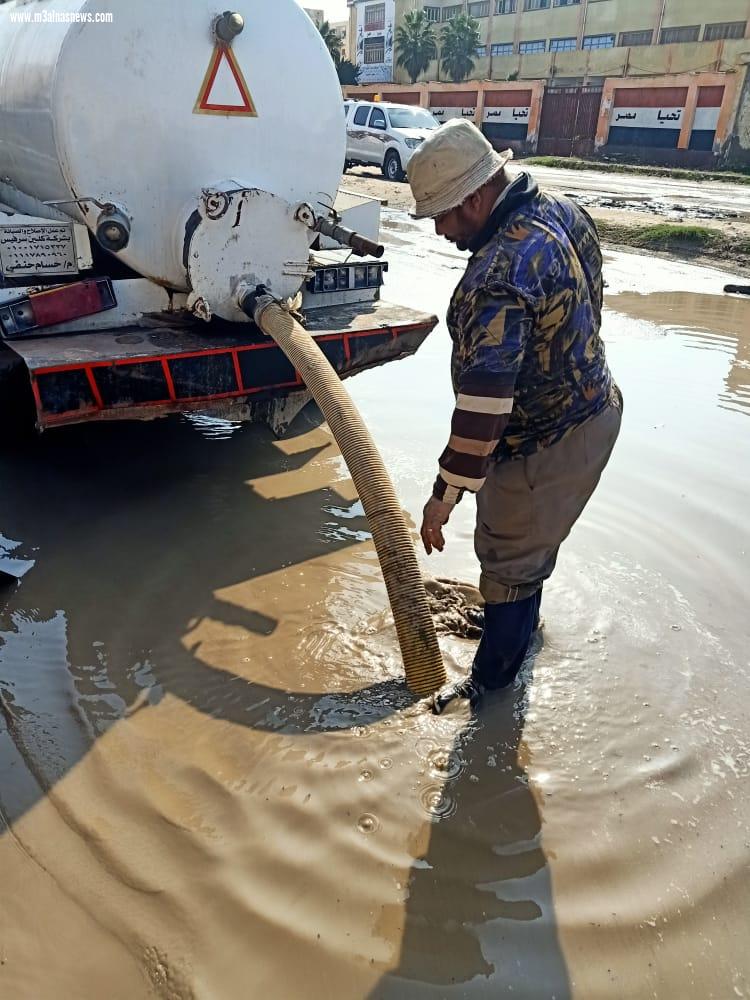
459 44
348 73
331 39
415 44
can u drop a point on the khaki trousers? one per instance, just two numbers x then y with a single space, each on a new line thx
527 507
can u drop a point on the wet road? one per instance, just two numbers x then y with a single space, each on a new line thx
212 784
662 197
707 199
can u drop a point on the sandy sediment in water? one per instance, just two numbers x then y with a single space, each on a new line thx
215 785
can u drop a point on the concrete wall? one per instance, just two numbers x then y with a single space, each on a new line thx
681 119
678 12
738 151
690 119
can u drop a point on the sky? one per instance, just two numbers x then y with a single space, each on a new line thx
335 9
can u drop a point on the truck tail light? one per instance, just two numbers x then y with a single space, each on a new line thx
28 316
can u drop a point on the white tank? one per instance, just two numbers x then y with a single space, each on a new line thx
149 113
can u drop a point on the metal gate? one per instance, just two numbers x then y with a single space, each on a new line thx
568 121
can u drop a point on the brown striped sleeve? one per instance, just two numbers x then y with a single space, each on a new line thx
497 327
480 416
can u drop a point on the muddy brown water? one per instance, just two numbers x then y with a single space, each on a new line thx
213 784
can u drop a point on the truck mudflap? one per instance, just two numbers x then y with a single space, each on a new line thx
139 373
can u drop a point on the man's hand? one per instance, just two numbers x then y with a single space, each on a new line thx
435 515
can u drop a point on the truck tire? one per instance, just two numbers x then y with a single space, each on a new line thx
17 410
392 170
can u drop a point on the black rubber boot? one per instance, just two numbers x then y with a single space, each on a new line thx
467 688
508 629
505 640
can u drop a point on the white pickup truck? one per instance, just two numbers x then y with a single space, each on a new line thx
385 135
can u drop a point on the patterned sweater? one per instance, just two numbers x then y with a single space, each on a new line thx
528 364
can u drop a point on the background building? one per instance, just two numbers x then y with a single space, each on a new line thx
316 15
659 80
371 34
342 30
576 39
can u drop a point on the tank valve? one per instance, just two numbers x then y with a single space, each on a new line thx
305 215
228 26
113 229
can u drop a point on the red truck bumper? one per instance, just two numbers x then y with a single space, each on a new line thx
143 372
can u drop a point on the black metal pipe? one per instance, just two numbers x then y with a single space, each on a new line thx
359 245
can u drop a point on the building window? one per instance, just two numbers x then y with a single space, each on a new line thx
628 38
479 9
505 6
599 41
536 4
375 17
671 35
480 51
526 48
564 3
502 49
562 44
374 50
449 13
727 29
433 13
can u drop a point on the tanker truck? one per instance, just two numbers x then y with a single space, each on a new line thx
158 162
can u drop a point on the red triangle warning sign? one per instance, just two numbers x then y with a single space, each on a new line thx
224 90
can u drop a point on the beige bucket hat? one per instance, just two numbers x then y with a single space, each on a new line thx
451 165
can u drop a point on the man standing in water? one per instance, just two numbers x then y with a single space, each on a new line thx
537 412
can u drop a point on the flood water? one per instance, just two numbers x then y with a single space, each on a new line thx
213 784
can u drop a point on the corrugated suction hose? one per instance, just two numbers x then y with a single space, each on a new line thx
423 663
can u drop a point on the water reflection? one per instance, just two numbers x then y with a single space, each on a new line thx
139 534
479 917
704 322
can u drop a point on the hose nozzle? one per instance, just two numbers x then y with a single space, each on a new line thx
252 301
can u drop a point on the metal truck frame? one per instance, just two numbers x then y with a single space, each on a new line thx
82 338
